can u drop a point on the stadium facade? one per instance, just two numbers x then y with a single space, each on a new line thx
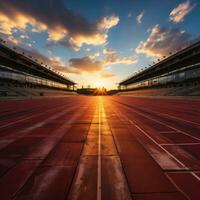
179 69
20 71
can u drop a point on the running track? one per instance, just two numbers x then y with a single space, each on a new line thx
100 148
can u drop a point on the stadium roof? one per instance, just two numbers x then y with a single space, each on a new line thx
15 60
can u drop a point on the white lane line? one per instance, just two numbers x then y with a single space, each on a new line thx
179 144
99 153
171 116
182 164
27 118
177 187
139 128
146 134
40 124
167 115
159 122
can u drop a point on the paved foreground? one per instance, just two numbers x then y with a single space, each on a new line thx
100 148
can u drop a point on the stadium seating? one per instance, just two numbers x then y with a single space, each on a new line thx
175 91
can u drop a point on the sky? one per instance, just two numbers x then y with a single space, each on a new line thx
99 42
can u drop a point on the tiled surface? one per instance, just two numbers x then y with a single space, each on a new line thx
100 148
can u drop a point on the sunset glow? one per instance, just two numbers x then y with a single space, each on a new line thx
100 84
92 40
100 99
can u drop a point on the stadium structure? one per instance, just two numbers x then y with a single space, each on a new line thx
22 75
178 74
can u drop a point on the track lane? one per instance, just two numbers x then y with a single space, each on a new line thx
32 152
188 110
155 132
129 144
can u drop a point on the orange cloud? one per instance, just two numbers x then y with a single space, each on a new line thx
94 56
9 23
63 26
93 39
177 14
162 41
108 22
111 57
107 75
85 64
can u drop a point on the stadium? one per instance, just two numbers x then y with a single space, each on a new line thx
22 75
71 126
180 72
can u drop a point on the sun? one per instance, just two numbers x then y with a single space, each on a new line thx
99 84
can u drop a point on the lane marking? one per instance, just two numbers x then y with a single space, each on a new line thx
80 186
179 144
171 116
139 128
30 117
40 124
146 134
120 186
169 126
164 114
177 187
99 152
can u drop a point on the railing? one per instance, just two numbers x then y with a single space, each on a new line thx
181 75
165 58
31 59
23 78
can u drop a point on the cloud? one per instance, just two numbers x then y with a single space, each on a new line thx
161 41
24 36
75 65
111 57
108 22
177 14
53 62
61 23
94 56
9 22
85 64
107 75
139 17
12 41
90 64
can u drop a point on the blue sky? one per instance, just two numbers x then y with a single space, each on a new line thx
99 42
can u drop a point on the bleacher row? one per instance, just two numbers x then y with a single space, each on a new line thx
24 78
173 91
11 91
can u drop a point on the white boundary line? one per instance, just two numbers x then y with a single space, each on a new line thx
171 116
168 115
178 144
177 186
159 122
99 152
47 120
182 164
30 117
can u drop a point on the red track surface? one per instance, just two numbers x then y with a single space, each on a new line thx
100 148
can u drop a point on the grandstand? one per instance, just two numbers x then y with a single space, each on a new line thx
181 70
23 76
